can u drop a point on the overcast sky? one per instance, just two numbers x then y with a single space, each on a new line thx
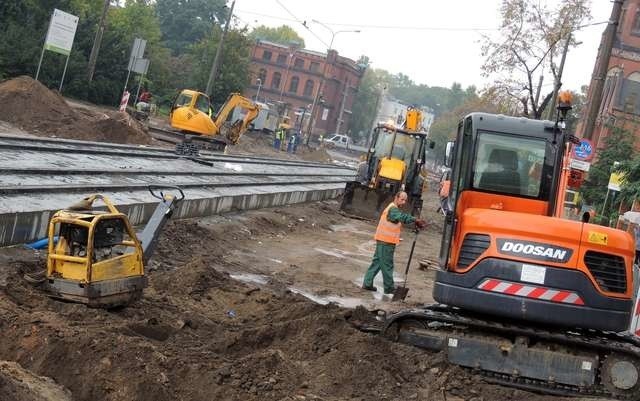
434 42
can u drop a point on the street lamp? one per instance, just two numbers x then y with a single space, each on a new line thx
259 86
293 48
324 73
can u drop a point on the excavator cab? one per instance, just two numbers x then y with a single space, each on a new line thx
96 258
394 163
191 112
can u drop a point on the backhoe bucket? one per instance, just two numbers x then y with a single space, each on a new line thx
364 202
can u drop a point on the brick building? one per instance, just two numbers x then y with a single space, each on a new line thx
289 78
620 105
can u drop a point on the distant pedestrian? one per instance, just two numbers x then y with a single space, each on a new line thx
387 237
296 141
278 138
291 143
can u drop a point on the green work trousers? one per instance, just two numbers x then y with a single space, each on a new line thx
382 260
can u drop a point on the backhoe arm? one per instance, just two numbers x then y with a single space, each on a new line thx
238 127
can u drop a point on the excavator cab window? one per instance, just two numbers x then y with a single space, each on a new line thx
510 164
202 103
182 100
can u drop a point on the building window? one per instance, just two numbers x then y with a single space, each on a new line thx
308 88
298 63
266 55
293 86
635 28
275 80
282 59
262 76
314 67
621 21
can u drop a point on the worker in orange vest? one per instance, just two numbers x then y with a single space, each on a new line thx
445 186
387 237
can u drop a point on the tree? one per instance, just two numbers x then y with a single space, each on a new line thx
618 148
186 22
532 36
445 125
233 74
284 35
365 105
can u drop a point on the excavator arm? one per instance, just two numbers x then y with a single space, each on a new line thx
232 131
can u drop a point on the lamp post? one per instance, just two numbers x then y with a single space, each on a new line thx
324 73
293 48
258 91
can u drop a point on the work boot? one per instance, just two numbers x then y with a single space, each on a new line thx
369 288
390 292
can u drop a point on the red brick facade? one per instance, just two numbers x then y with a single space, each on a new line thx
620 105
291 77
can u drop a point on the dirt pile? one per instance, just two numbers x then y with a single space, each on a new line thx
18 384
198 334
32 107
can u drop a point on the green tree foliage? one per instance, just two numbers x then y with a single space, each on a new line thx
618 148
233 74
284 35
532 37
186 22
181 40
445 126
365 105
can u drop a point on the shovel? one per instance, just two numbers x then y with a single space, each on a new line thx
400 293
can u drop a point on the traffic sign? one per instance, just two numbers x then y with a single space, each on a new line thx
583 150
579 165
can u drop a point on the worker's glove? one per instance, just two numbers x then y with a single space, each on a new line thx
420 224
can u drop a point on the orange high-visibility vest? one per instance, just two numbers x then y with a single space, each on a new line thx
387 231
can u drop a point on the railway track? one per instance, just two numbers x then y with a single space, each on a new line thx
38 176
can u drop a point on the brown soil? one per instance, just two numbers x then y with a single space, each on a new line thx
198 334
32 107
261 144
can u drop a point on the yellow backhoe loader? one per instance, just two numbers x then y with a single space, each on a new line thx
394 163
191 113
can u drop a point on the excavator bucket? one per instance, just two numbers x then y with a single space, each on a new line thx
363 202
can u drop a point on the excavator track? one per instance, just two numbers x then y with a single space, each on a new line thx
587 363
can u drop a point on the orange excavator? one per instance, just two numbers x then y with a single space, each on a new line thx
526 297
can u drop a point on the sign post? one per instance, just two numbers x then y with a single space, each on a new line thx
60 35
136 62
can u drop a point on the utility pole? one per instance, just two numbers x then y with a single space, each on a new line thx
93 58
558 81
216 60
342 104
601 70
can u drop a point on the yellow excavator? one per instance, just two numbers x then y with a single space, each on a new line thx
192 114
393 163
95 257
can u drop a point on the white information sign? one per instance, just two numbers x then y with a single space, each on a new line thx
580 165
533 274
62 30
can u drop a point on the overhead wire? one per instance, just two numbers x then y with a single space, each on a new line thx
365 26
301 22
